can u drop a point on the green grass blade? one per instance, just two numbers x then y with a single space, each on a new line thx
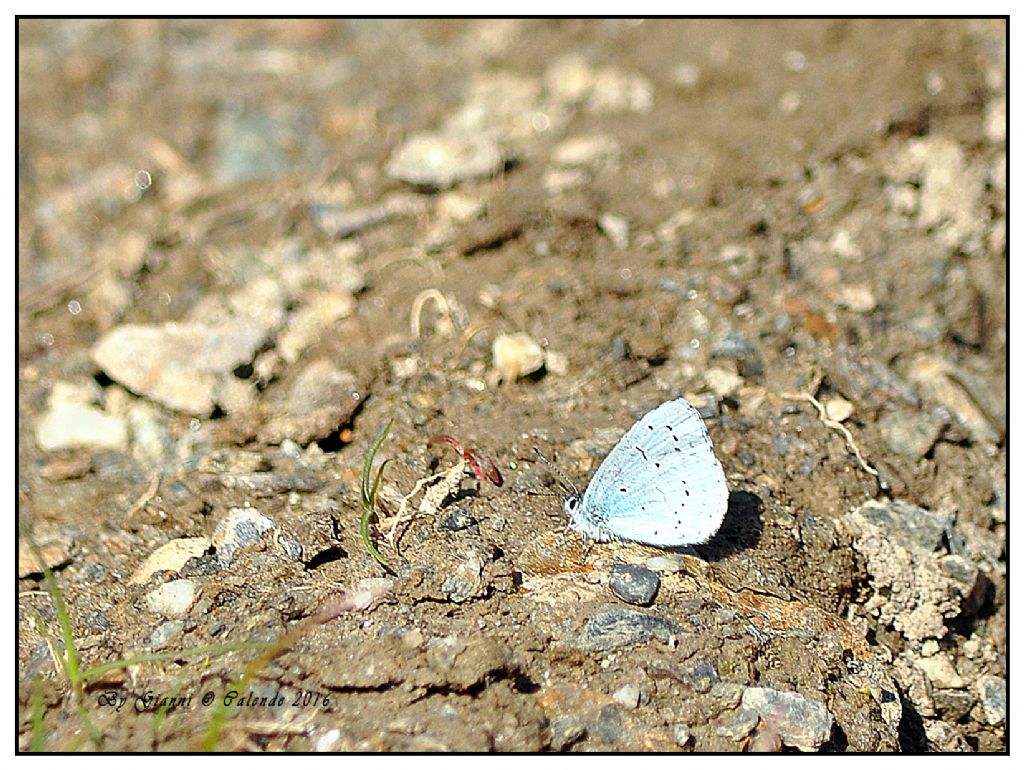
369 493
67 632
37 742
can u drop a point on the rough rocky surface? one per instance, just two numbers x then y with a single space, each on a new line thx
321 228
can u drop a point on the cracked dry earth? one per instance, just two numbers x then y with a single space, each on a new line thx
245 246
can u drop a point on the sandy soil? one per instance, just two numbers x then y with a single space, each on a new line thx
762 217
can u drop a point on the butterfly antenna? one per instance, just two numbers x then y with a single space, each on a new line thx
557 471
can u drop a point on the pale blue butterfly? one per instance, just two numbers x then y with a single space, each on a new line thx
661 484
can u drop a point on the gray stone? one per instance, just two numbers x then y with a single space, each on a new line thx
992 692
249 146
609 727
732 346
166 633
739 724
589 151
681 734
976 406
618 627
337 222
467 581
634 584
320 400
700 675
908 525
240 528
565 731
803 723
292 548
457 520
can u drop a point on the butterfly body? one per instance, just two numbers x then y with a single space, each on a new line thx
660 485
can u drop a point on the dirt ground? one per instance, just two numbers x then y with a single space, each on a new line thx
237 262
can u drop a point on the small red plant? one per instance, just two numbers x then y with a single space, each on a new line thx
481 465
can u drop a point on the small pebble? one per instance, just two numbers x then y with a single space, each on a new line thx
838 409
681 734
628 696
723 384
940 672
292 548
616 228
739 724
699 675
516 355
686 75
76 426
174 598
634 584
617 627
911 435
556 363
859 299
457 520
586 152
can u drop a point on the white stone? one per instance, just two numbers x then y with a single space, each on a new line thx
172 599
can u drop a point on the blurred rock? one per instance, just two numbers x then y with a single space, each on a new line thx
166 633
320 400
951 187
911 436
71 423
306 326
723 383
616 228
974 405
588 152
439 161
179 365
250 145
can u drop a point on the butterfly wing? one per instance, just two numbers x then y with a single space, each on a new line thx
661 484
